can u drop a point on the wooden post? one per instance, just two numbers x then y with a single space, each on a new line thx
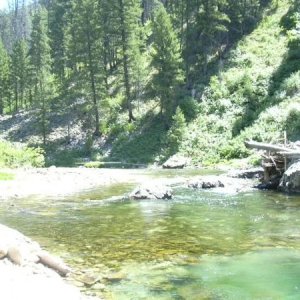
285 160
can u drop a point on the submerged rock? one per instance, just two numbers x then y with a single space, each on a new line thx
290 181
176 162
151 192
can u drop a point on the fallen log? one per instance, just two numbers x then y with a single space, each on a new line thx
290 154
265 146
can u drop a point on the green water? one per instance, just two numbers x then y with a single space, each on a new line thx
200 245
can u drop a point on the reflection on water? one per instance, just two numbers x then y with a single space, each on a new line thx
200 245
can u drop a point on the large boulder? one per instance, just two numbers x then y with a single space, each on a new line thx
151 192
176 162
290 181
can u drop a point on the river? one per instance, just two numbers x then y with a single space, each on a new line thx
199 245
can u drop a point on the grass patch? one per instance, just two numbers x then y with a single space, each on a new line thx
6 176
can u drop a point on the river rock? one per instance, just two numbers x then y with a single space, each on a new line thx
151 192
176 162
15 255
54 263
290 181
3 250
247 173
206 182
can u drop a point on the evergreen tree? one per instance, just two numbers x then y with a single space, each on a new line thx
19 72
131 43
40 66
166 61
57 30
4 77
84 53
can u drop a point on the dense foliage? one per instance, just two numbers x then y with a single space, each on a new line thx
13 155
155 77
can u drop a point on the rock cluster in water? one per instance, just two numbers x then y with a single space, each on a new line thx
151 192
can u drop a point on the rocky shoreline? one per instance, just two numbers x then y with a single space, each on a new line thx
29 272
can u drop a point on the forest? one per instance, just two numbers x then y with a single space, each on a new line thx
144 79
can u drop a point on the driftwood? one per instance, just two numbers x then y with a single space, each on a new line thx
291 154
267 147
275 161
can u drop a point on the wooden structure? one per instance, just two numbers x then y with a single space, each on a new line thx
276 159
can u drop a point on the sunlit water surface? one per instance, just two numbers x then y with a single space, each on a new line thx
199 245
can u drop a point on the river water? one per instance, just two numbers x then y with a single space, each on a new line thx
199 245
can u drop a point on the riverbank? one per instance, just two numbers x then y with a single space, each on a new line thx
61 181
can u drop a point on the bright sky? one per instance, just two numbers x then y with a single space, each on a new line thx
3 4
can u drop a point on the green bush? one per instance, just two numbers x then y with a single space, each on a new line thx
234 149
13 156
190 108
293 123
291 85
176 132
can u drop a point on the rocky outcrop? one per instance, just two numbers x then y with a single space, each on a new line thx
176 162
247 173
290 181
151 192
206 182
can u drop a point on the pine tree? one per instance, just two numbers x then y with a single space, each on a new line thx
40 66
4 77
84 54
19 72
166 61
131 30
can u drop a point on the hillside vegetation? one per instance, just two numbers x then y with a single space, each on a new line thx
142 83
256 95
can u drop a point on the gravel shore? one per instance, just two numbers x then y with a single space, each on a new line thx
62 181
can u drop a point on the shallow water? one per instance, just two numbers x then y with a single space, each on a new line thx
200 245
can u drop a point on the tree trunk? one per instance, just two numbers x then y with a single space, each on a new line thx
93 84
125 62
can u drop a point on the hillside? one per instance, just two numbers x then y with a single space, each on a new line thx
256 95
249 90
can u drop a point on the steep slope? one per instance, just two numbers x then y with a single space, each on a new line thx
255 96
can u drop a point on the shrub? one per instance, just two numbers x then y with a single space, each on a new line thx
190 108
234 149
293 123
176 132
291 86
15 155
